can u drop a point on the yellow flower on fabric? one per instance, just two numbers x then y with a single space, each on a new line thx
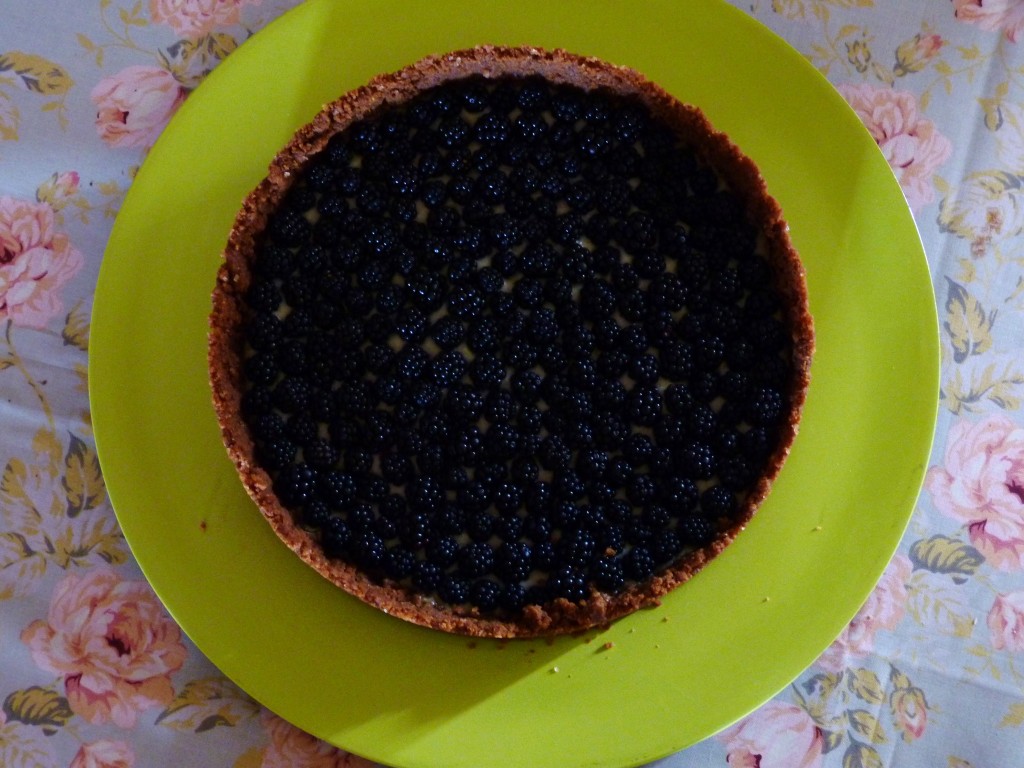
988 207
917 52
909 711
858 53
56 190
790 9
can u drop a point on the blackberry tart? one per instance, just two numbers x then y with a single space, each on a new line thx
509 343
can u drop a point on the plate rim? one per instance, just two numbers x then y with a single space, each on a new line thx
142 179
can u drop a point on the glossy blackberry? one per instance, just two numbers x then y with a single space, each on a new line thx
426 576
277 453
442 551
643 405
567 583
513 561
639 563
718 501
697 459
335 534
695 531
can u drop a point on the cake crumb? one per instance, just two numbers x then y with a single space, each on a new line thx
608 646
554 669
202 526
664 619
766 599
817 528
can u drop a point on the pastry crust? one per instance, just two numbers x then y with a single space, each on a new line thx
226 344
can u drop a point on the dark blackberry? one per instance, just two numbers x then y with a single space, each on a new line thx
466 303
432 193
508 527
320 454
261 368
447 368
379 358
666 546
577 548
568 485
607 332
479 526
695 531
292 395
289 227
639 563
485 594
526 386
487 371
608 575
411 362
544 557
274 261
513 597
697 459
643 405
521 354
277 453
425 494
264 332
597 299
453 589
656 516
442 550
507 497
592 463
579 434
268 426
513 561
609 393
296 484
335 536
671 431
679 493
426 576
736 472
642 489
475 559
679 399
464 403
398 563
338 489
501 441
568 583
766 406
718 501
609 429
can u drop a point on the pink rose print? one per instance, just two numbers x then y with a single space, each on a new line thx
104 754
911 143
884 609
777 735
195 18
1006 622
291 747
982 485
135 105
991 15
112 643
35 263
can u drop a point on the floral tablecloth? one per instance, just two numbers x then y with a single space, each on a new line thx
93 673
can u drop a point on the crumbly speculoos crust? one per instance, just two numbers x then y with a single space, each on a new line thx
233 279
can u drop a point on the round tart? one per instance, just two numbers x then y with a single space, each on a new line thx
509 343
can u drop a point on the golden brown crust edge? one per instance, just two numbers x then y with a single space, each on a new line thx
234 276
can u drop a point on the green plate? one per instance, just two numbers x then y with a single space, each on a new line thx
407 696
